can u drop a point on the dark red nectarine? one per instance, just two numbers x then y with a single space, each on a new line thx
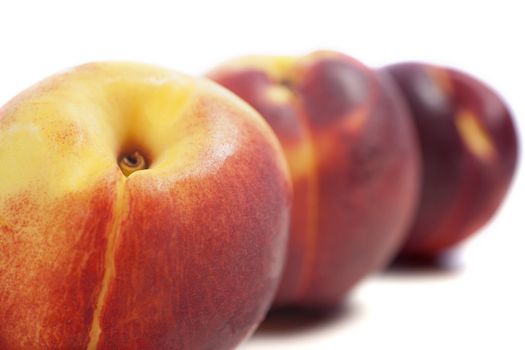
469 151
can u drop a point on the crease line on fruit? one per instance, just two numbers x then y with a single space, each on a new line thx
313 222
109 263
286 77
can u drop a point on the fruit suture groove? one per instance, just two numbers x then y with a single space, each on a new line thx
306 276
109 262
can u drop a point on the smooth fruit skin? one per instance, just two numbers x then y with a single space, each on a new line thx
352 152
469 150
186 254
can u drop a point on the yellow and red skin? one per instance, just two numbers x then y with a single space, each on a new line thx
461 190
362 179
222 239
53 310
197 259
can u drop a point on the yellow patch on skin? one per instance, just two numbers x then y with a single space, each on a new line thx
474 135
279 94
301 158
71 128
277 67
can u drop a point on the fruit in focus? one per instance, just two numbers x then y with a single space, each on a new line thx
469 151
354 162
139 209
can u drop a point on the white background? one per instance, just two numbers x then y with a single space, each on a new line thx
477 304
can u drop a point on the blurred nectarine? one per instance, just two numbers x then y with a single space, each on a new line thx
469 152
354 161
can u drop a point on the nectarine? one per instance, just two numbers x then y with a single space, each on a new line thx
139 209
469 151
354 161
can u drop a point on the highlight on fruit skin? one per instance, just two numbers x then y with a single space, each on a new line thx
139 209
354 161
469 149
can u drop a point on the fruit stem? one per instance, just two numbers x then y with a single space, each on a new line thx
132 162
